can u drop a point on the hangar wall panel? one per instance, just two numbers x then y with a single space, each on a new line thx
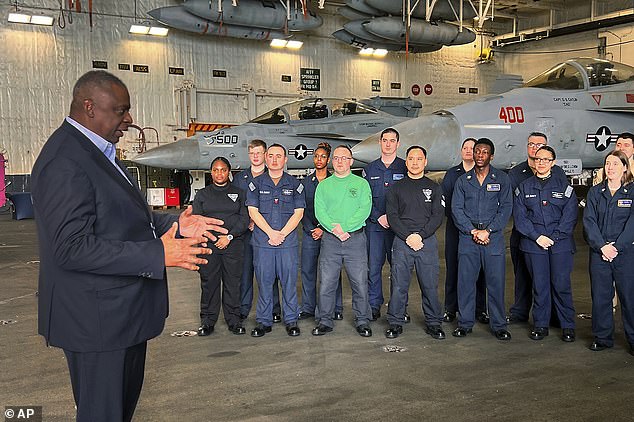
40 65
531 58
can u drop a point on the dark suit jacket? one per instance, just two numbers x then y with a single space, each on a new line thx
102 282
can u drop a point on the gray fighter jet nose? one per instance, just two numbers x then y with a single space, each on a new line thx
439 134
368 150
181 155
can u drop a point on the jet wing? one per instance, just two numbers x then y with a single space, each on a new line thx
615 109
333 136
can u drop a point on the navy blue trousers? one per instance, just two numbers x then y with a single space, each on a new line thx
379 249
107 385
246 282
550 274
491 259
310 260
404 260
603 276
271 264
451 274
523 293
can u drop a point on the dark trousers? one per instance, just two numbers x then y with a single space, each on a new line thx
551 286
272 264
602 276
310 259
472 259
246 281
107 385
336 255
379 249
224 268
523 284
404 260
451 274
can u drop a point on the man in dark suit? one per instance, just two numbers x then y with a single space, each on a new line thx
103 253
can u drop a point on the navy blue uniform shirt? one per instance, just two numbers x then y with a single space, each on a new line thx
448 183
277 205
486 206
309 221
609 218
243 178
547 208
381 178
518 174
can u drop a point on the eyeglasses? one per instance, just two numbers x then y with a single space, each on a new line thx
544 160
324 156
335 158
534 145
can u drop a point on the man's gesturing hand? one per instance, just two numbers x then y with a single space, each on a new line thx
193 225
182 252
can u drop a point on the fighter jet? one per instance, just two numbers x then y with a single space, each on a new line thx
300 126
581 105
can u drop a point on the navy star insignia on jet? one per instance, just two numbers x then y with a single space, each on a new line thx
602 138
300 151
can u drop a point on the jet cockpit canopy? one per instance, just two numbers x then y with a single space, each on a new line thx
313 108
582 73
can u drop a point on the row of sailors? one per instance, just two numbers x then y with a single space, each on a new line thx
392 213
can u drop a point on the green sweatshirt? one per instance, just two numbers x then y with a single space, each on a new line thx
346 201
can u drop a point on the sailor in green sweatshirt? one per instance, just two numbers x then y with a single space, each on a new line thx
342 204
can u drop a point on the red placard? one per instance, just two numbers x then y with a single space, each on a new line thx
428 89
415 89
172 198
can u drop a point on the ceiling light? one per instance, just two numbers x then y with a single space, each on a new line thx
278 43
290 44
380 52
294 45
366 51
159 31
42 20
139 29
19 18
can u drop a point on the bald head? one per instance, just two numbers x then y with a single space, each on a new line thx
101 103
89 83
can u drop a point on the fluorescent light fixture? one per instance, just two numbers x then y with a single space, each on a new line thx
34 20
376 52
139 29
42 20
278 43
290 44
19 18
294 45
159 31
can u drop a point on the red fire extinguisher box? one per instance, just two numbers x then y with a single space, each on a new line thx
172 198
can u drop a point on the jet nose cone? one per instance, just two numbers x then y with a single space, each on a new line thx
439 134
181 155
368 150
